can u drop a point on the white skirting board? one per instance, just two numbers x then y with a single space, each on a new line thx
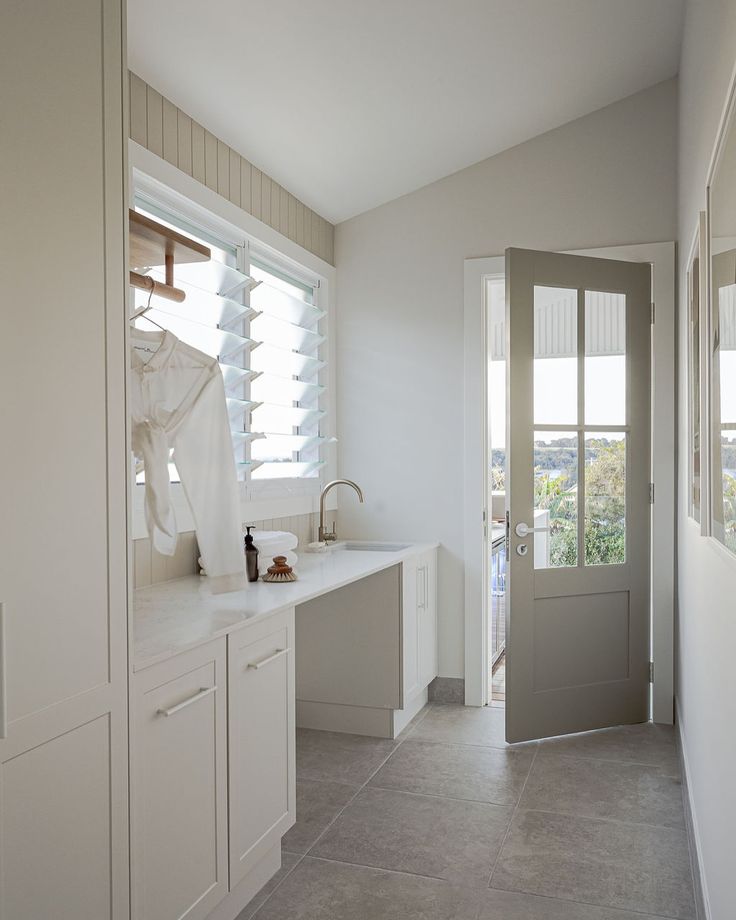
402 717
243 893
358 720
700 891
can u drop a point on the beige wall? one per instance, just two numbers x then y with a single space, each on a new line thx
150 567
606 179
706 692
165 130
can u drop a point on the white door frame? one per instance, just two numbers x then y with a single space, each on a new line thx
475 496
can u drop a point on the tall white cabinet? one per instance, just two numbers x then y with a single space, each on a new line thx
63 657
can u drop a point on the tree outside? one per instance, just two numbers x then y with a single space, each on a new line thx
556 491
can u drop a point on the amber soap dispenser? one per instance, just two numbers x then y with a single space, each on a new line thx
251 556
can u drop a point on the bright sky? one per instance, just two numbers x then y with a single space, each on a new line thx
555 393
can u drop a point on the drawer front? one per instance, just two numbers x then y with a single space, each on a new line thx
180 787
262 740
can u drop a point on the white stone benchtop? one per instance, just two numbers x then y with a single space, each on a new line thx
172 616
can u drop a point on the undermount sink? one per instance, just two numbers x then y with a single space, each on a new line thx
359 546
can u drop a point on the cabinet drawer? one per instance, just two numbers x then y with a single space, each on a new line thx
261 739
180 786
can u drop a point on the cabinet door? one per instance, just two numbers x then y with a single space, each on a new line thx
180 786
262 739
56 825
63 466
427 616
410 628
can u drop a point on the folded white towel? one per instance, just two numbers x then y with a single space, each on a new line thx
264 561
280 541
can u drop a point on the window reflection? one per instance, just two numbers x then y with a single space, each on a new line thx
722 336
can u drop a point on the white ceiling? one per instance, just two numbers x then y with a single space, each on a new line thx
350 103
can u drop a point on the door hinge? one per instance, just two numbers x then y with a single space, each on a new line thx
651 493
651 672
651 312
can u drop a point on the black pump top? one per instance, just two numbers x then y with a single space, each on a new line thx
249 536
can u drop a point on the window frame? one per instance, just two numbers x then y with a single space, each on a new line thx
710 370
181 195
698 251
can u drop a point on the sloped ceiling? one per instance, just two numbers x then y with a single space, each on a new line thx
349 104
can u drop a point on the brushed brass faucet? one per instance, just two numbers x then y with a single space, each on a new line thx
325 535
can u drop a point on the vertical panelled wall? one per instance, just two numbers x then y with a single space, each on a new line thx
161 127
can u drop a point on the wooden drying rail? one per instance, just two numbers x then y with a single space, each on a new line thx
152 243
147 283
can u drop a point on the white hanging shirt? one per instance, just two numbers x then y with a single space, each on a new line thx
178 400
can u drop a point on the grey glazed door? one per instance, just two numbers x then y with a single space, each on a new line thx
578 467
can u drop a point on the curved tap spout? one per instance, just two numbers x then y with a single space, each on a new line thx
324 535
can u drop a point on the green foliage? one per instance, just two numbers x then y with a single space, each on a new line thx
556 496
729 510
605 518
605 504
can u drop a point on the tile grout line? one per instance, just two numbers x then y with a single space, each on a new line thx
576 816
516 807
511 819
619 763
539 745
437 795
363 786
344 862
546 897
571 900
303 856
275 889
619 910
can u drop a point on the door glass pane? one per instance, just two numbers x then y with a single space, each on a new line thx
605 498
555 499
555 356
605 358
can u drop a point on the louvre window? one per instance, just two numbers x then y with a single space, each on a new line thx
265 327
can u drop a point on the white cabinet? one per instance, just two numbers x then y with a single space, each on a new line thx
349 645
213 770
261 739
56 826
427 617
366 652
410 623
419 622
179 786
63 662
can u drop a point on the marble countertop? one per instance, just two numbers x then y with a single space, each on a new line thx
176 615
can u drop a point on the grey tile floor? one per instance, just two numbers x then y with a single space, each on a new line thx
451 823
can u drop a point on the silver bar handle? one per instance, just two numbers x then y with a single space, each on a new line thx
256 665
205 691
522 530
3 677
422 580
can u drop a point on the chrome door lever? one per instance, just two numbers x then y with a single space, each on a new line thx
522 530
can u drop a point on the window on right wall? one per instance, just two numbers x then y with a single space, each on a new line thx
722 340
694 386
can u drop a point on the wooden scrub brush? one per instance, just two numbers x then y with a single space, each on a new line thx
280 571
